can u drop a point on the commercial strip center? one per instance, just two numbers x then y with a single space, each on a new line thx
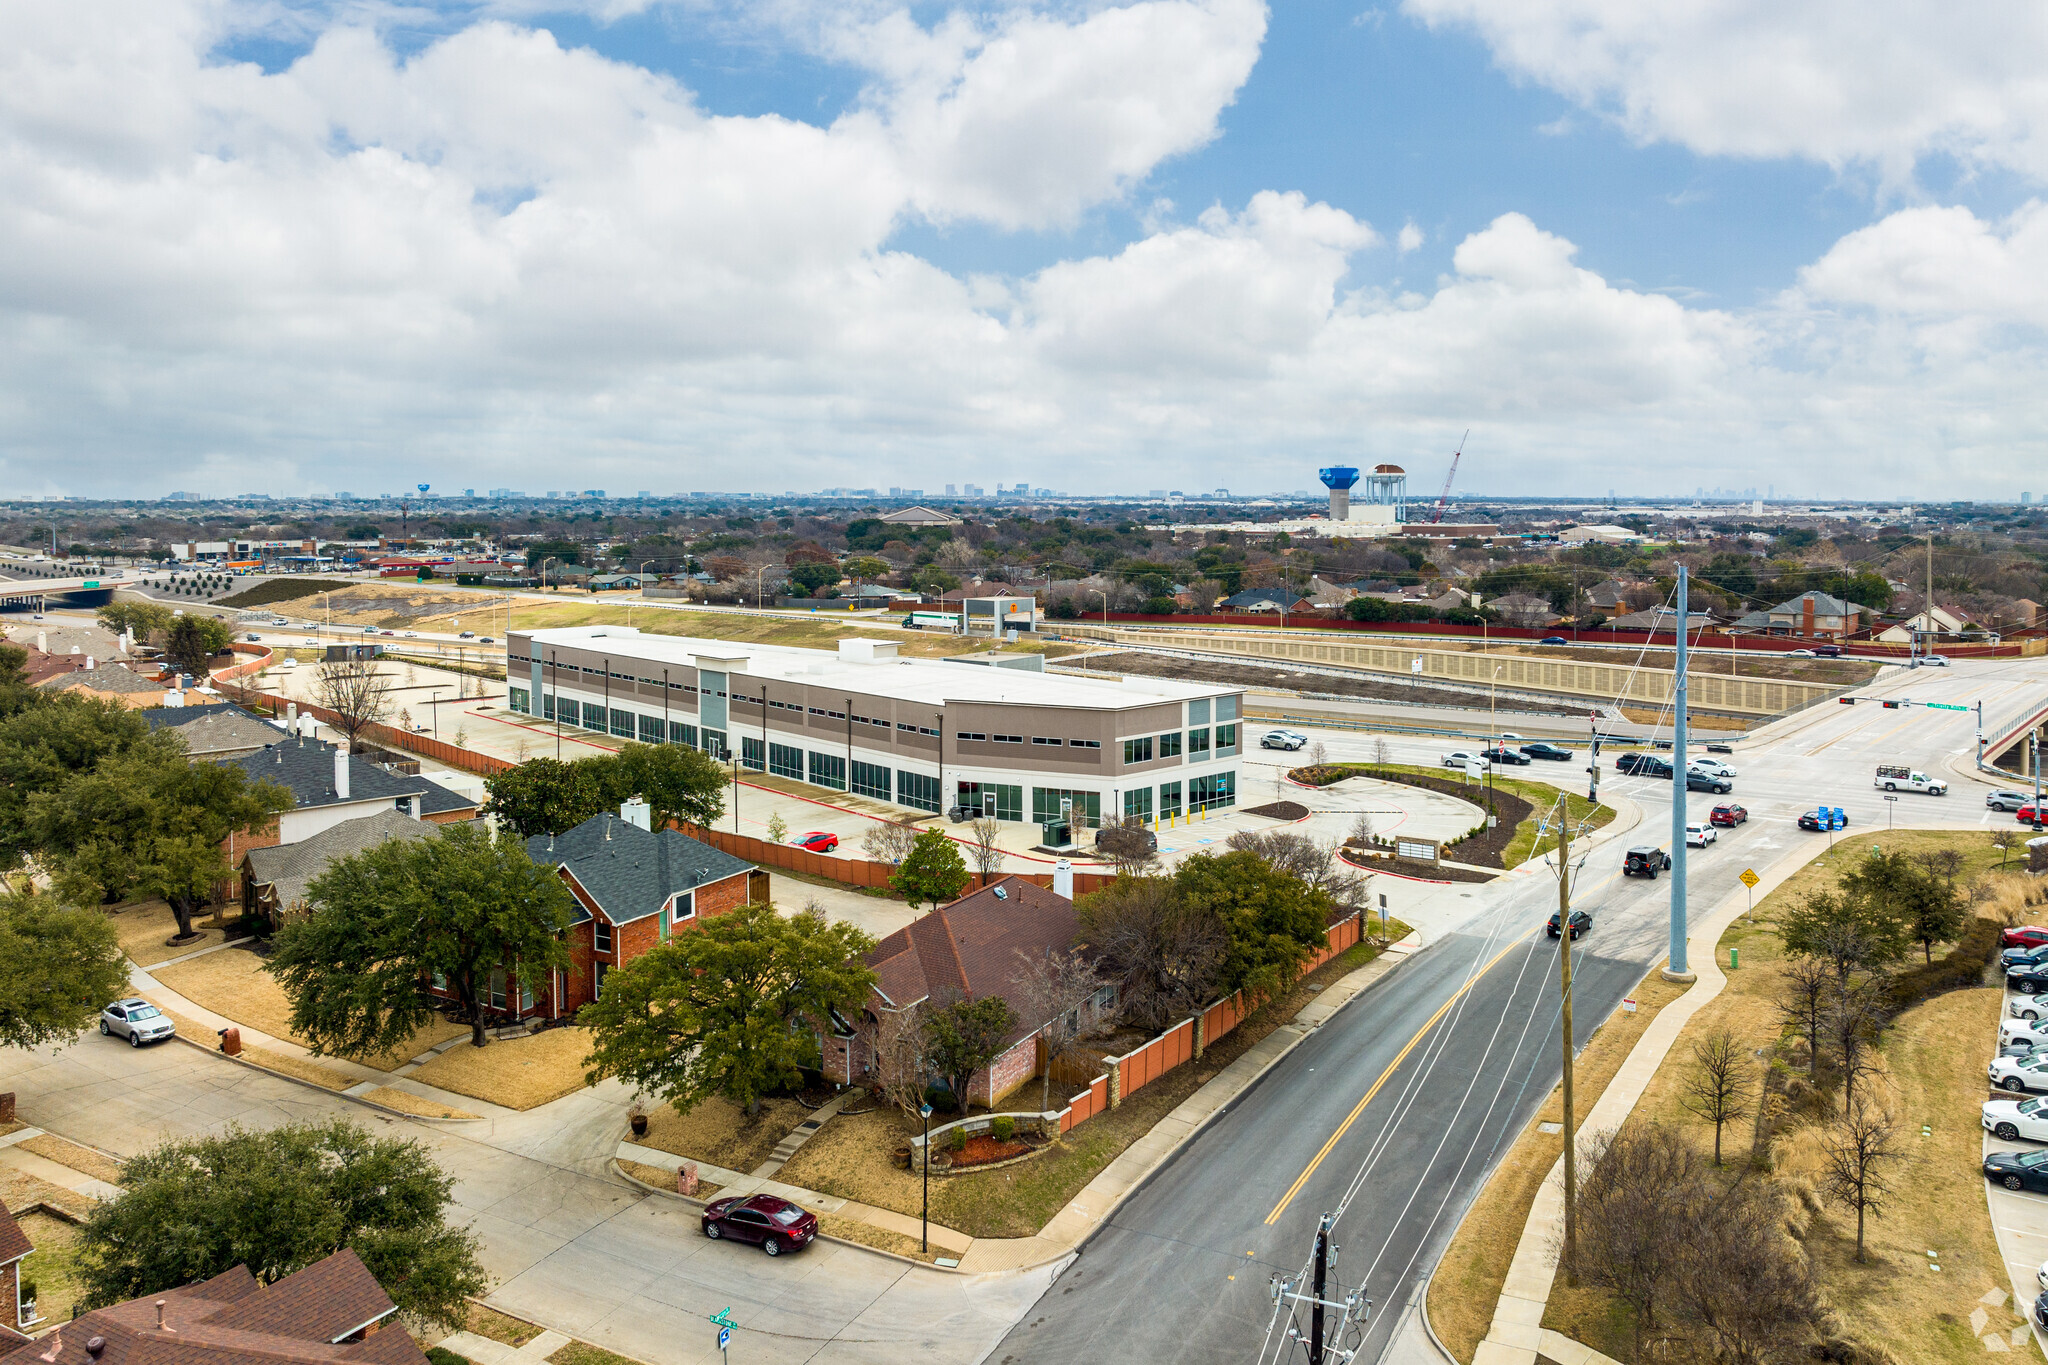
927 734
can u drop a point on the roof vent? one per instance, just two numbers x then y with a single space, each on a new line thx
95 1345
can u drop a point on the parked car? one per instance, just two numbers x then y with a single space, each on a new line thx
776 1224
1696 781
1151 839
2009 1120
136 1020
1812 820
1827 651
1503 754
1930 661
1581 922
2025 936
1801 654
1553 640
2007 800
817 841
2020 1031
2027 980
2025 1007
1458 758
1282 739
1699 836
1711 765
1729 815
2030 955
2016 1075
2023 1051
1645 861
2025 814
2041 1310
1550 751
2018 1170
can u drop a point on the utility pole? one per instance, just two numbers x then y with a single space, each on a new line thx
1564 976
1318 1285
1929 611
1676 970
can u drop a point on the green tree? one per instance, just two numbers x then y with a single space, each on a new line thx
1851 933
1900 889
728 1009
58 969
861 568
277 1201
191 642
964 1037
677 782
1274 919
932 872
16 695
934 580
144 618
461 906
546 795
44 746
813 576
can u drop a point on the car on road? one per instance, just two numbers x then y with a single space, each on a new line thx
136 1020
2027 980
1553 640
1718 748
1282 739
369 630
485 640
252 637
1827 651
2025 814
1699 836
1711 765
1802 654
2012 1119
1550 751
467 635
1503 754
2018 1170
2018 1074
1458 758
1813 820
2025 936
1581 923
1728 814
776 1224
1697 781
2007 800
1930 661
280 620
817 841
1645 860
1642 765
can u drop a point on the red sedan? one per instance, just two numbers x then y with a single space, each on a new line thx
818 841
1728 813
776 1224
2026 936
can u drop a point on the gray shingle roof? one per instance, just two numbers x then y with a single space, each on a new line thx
305 767
630 872
211 730
289 868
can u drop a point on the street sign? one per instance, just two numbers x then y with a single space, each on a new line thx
1931 705
1749 877
724 1337
1628 1006
1891 798
1415 666
723 1317
92 582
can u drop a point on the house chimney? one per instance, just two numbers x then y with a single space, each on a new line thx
636 813
341 772
291 715
42 642
1063 879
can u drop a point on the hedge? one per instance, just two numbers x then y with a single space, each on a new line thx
1962 967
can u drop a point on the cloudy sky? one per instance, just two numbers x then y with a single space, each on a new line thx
293 246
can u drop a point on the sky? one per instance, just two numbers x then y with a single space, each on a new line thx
301 246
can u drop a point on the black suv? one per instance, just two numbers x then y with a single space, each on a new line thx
1645 861
1581 922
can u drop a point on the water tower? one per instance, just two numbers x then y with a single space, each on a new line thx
1339 479
1387 486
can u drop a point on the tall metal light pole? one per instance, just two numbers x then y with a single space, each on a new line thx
924 1232
1676 969
1564 977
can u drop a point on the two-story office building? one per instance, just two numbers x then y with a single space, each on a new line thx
922 733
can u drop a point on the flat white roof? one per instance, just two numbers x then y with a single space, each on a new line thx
928 681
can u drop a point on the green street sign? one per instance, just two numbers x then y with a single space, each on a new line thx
1933 705
92 582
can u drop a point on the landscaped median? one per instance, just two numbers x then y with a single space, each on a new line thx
1520 807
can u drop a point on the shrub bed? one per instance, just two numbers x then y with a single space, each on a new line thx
1959 969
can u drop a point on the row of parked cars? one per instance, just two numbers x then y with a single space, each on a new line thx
2021 1070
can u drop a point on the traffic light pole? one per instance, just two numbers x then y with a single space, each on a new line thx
1675 969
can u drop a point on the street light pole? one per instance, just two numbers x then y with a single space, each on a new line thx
1676 969
1564 974
925 1217
434 705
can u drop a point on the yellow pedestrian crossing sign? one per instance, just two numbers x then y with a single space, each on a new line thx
1749 878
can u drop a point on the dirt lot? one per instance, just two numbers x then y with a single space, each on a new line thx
1363 686
720 1132
519 1073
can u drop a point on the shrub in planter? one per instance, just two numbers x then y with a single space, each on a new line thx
956 1139
441 1355
1002 1128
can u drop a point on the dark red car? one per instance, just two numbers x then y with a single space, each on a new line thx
818 841
2026 936
1728 813
776 1224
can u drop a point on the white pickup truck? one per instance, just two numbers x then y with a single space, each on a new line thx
1891 777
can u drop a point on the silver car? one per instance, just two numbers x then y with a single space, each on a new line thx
136 1020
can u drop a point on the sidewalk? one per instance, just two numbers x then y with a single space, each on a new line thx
1103 1195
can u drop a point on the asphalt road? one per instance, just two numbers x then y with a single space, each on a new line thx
1415 1090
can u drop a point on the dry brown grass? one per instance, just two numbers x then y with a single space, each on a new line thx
405 1102
1650 715
868 1235
664 1179
1467 1284
519 1073
720 1133
18 1190
583 1353
233 984
142 927
84 1160
496 1326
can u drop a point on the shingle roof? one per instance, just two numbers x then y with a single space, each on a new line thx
14 1243
211 730
231 1320
969 949
631 872
288 868
115 678
305 767
1824 604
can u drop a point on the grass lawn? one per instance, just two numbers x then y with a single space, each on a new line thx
851 1155
232 983
583 1353
405 1102
496 1326
143 926
719 1131
53 1266
519 1073
81 1159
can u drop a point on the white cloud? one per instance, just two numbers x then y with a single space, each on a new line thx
1883 83
1409 239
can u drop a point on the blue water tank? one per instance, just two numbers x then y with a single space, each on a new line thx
1338 476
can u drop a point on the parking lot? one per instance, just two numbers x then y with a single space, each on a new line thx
2019 1219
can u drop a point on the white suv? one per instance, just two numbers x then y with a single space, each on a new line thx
136 1020
1713 767
1282 739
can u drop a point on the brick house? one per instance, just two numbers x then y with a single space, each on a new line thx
633 888
14 1245
331 1313
969 950
274 879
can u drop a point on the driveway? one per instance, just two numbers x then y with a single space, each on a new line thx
568 1245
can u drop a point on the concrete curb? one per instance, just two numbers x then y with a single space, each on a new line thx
314 1085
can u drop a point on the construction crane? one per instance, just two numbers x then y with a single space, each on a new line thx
1443 498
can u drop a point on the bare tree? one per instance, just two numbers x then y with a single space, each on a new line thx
356 691
1854 1014
2005 841
1638 1196
1744 1281
1809 985
983 849
1382 752
1942 864
1318 754
889 841
1858 1151
1054 987
1719 1086
1164 956
1301 856
1131 848
1362 828
894 1040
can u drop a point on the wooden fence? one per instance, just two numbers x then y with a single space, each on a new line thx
441 751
